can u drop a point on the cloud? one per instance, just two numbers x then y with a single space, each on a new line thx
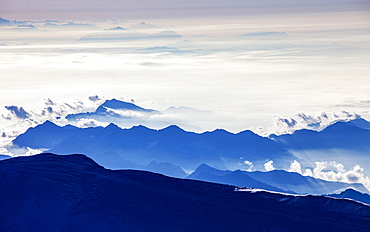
94 98
87 122
163 49
16 151
269 166
265 33
49 102
333 171
295 166
16 120
19 112
250 164
354 104
312 122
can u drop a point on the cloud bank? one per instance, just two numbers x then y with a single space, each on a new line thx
333 171
316 122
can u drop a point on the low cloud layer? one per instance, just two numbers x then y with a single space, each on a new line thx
15 120
333 171
316 122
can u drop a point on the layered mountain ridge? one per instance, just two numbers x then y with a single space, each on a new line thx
141 145
276 180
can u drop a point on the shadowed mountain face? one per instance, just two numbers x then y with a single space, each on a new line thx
143 145
72 193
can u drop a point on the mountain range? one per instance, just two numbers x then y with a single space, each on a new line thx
172 150
142 145
276 180
340 135
352 194
72 193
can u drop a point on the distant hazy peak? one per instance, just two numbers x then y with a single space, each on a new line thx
143 25
116 29
120 105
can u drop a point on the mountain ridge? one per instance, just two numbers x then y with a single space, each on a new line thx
72 193
276 180
142 145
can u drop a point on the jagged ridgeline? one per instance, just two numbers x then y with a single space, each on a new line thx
114 147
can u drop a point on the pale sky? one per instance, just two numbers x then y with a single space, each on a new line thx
151 9
247 60
244 64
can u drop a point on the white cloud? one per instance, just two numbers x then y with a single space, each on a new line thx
16 120
20 151
333 171
295 166
126 113
250 164
162 116
88 122
311 121
269 166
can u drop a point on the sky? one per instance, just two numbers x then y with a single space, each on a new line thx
250 69
237 64
152 9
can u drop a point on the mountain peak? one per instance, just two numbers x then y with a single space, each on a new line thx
172 129
350 193
221 131
112 126
141 128
117 104
205 168
47 125
143 25
117 29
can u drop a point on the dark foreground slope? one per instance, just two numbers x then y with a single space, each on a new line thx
72 193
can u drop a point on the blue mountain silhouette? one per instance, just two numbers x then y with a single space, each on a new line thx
142 145
72 193
237 178
104 110
277 180
352 194
342 135
302 184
